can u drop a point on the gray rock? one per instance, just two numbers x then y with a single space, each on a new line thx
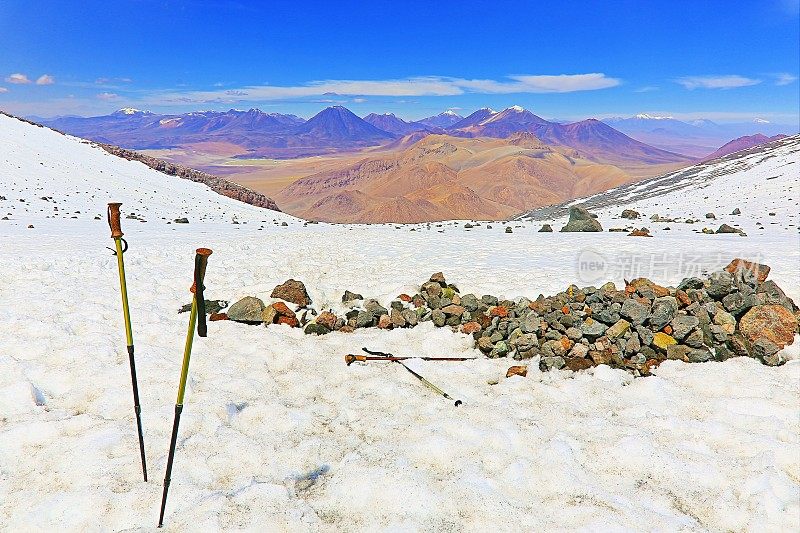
364 319
635 312
553 362
664 310
630 214
581 220
593 329
316 329
645 335
438 318
248 309
719 285
546 228
469 302
410 316
767 351
682 325
375 308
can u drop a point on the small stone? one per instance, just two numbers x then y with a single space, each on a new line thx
682 325
509 230
710 216
327 319
634 311
725 228
214 317
664 310
289 321
364 319
283 310
315 328
662 340
384 322
438 277
351 296
592 328
618 329
578 363
518 370
396 318
182 220
410 316
438 318
485 344
470 328
546 228
630 214
269 314
725 320
453 310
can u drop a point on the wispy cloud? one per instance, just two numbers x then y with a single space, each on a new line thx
106 81
18 79
716 82
3 90
784 78
45 79
414 86
107 96
646 89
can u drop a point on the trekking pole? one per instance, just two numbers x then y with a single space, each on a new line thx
116 234
352 358
197 317
390 357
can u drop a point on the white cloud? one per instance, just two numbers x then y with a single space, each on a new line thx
45 79
716 82
107 96
784 78
3 90
415 86
17 78
646 89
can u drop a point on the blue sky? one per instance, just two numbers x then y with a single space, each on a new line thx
724 60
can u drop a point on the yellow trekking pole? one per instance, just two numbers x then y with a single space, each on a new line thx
116 234
197 317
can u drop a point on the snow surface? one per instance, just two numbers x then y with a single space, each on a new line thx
278 434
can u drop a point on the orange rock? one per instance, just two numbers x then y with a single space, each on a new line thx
683 298
649 365
404 298
327 319
498 310
667 329
639 233
484 320
565 309
773 322
761 271
347 329
214 317
578 363
283 311
289 321
385 322
470 328
520 370
566 343
638 283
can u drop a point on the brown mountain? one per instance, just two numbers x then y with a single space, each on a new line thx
442 177
742 143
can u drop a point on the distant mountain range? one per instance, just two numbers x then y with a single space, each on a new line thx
643 139
743 143
697 138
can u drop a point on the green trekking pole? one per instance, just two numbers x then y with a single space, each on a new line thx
116 234
197 317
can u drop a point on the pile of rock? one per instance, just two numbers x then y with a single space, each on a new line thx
733 312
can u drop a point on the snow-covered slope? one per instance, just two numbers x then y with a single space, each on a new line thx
278 434
762 182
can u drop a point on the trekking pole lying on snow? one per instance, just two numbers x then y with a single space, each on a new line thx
382 356
116 234
352 358
197 317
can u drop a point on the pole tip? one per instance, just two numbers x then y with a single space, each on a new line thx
204 251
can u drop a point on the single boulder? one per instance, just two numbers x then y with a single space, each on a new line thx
581 220
519 370
351 296
760 271
772 322
546 228
292 291
630 214
725 228
248 309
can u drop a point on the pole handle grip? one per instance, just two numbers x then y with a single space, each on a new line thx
113 220
350 358
200 263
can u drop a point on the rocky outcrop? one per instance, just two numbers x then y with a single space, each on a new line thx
215 183
581 220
